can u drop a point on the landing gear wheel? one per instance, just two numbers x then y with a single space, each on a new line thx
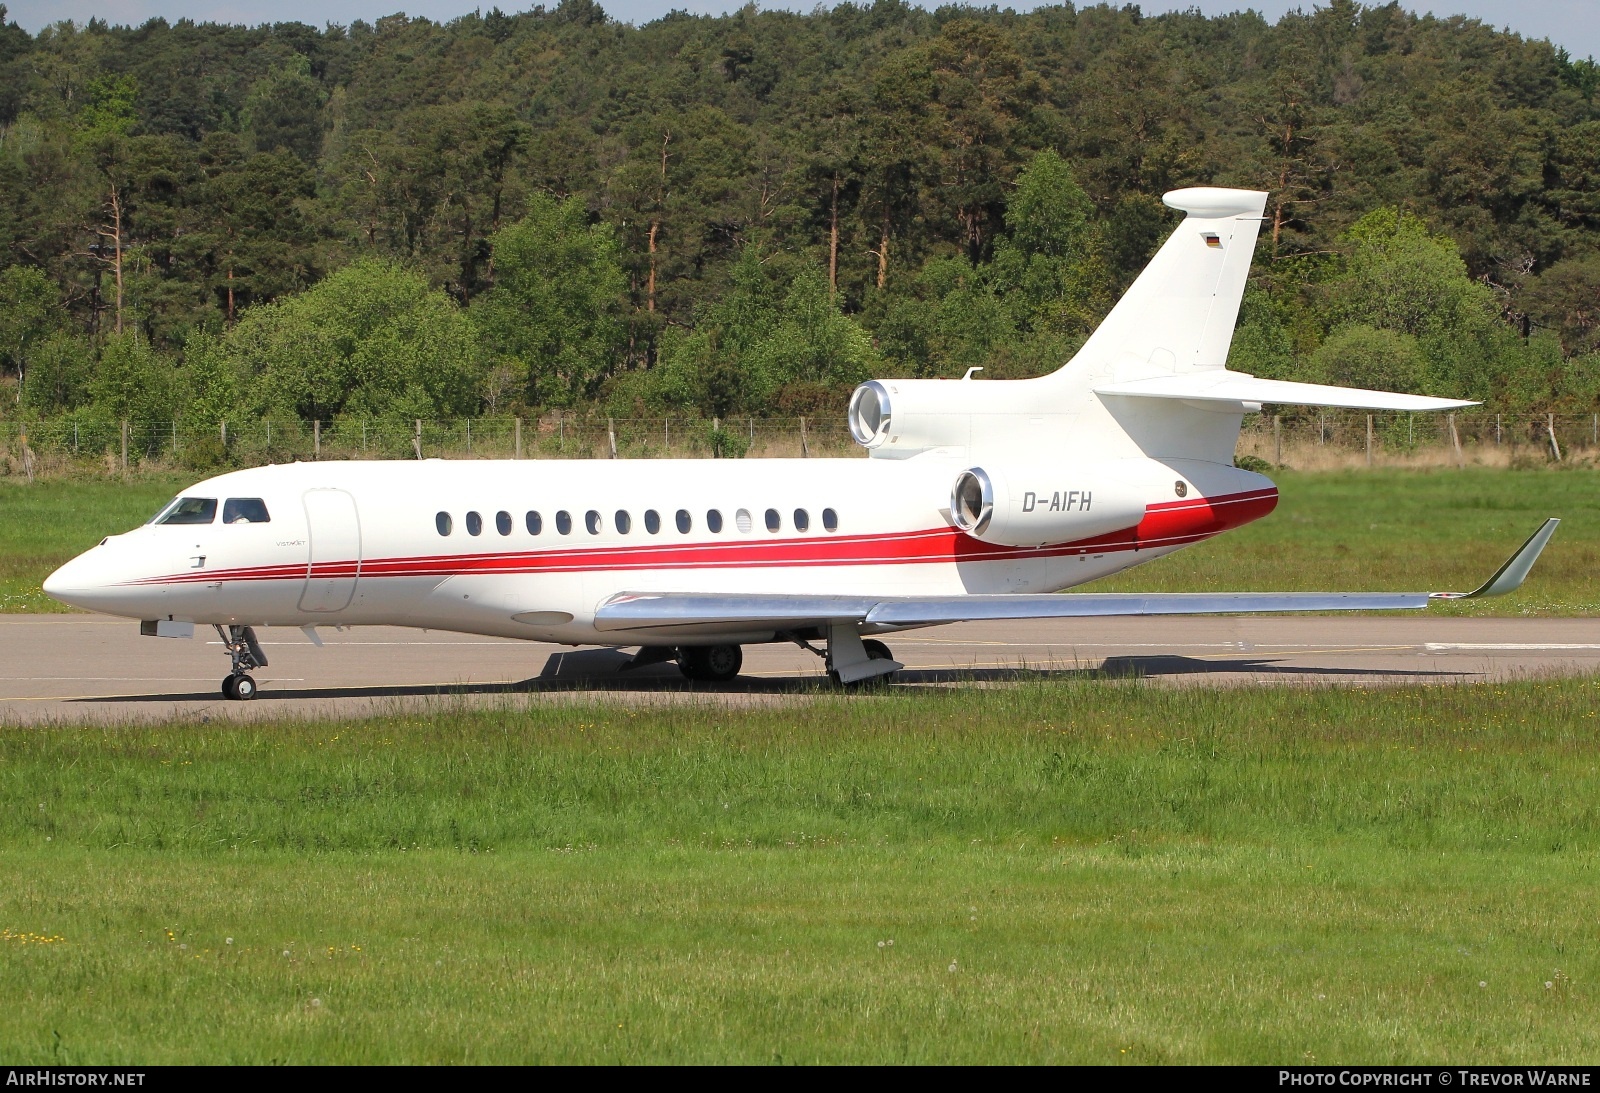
710 663
239 688
876 649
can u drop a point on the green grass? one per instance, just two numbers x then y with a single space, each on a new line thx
1091 872
1443 530
47 522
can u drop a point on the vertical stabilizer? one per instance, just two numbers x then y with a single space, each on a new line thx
1178 317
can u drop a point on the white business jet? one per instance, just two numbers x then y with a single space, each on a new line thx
980 500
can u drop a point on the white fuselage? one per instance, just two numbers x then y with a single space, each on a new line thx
360 543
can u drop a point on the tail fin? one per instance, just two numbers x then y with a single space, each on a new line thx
1178 316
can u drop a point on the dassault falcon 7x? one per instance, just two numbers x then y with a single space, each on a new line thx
980 500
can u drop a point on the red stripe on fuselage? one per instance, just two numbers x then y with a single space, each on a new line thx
1173 523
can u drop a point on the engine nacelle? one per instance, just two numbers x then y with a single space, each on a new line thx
1036 505
900 418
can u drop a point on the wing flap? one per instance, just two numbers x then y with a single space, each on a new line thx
1220 385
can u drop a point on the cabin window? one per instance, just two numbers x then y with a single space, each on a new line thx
443 523
802 520
742 521
564 522
502 522
652 521
190 510
622 522
774 521
830 520
535 522
591 520
714 521
474 524
245 510
684 521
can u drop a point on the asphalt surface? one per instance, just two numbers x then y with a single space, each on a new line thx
78 668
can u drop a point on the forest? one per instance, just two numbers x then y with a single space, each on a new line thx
748 214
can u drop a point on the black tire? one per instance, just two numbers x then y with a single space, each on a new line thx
876 650
244 688
710 663
229 688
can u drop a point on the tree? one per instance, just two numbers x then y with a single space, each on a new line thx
133 382
371 339
208 381
1566 299
1361 356
28 312
284 110
554 314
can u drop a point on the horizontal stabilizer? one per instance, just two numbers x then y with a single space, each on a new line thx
1220 385
778 612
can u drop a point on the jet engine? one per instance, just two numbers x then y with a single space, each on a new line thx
895 419
1036 505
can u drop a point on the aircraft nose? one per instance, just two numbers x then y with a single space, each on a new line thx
74 584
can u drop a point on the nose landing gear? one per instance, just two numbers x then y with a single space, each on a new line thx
242 646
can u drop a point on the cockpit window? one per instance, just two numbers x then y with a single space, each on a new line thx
245 510
190 510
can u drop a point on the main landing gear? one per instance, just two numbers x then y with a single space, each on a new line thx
710 663
848 658
242 646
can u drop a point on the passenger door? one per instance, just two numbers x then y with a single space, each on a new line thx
334 535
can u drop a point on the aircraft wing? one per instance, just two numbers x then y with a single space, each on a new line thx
778 611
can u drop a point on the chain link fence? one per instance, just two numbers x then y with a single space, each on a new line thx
1303 439
1310 440
54 445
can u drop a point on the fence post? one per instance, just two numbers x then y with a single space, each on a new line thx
1497 437
316 439
611 435
174 440
561 430
1369 440
416 438
1550 425
518 432
469 436
1277 439
74 438
805 448
666 435
124 443
222 427
1594 435
716 427
1455 442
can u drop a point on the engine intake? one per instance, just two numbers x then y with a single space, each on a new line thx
1034 506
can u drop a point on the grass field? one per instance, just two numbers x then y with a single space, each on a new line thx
1092 871
1435 530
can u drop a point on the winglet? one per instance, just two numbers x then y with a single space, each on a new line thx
1509 577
